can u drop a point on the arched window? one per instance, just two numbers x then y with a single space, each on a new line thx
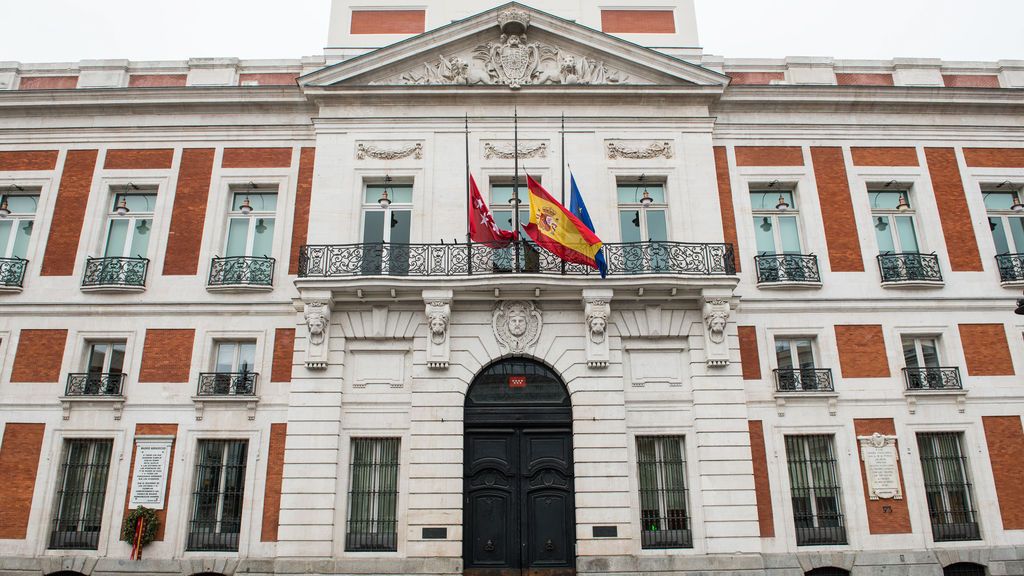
964 569
827 571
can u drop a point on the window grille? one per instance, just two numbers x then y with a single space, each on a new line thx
78 511
664 518
964 569
827 571
217 496
373 495
947 487
816 492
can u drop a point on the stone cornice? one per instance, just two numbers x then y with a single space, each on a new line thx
897 98
247 99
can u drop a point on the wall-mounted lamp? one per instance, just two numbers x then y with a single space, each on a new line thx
782 205
903 206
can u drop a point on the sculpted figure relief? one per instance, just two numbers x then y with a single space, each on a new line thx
317 323
438 320
597 320
516 325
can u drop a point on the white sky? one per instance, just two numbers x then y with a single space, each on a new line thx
71 30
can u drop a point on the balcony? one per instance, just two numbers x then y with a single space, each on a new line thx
12 274
938 378
94 384
787 270
909 269
227 390
115 274
1011 269
241 273
803 380
627 259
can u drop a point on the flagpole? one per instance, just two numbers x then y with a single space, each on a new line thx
563 173
515 184
469 200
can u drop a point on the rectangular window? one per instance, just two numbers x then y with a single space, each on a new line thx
104 368
794 353
815 490
1005 221
251 222
387 222
893 220
776 226
501 205
130 222
81 489
642 210
661 470
947 487
218 495
373 495
16 227
920 351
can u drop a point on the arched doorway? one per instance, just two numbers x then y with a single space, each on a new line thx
519 515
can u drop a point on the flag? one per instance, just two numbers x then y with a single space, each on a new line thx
579 209
482 228
557 230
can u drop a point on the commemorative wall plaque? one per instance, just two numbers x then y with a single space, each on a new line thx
149 476
881 466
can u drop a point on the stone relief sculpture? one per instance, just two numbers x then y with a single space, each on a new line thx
596 310
364 151
651 150
506 151
516 325
439 311
318 320
716 319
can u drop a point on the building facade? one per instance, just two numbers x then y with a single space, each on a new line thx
240 293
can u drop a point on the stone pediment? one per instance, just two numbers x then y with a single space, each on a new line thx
514 46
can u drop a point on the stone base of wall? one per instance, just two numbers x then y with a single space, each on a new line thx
1003 561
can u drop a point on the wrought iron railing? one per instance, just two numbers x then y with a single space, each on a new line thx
328 261
227 383
12 272
804 380
1011 267
242 271
115 271
773 268
937 378
94 384
909 267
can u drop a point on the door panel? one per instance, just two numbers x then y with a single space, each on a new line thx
491 540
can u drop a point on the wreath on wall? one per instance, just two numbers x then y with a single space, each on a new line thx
139 528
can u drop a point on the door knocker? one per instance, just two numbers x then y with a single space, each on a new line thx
489 547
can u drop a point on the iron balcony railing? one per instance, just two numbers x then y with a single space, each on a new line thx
242 271
804 380
909 267
339 260
12 272
115 271
1011 267
772 268
94 384
227 383
933 378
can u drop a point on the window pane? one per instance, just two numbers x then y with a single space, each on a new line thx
21 238
5 237
246 356
657 228
225 357
1017 232
804 353
769 199
910 352
97 358
930 352
885 200
784 354
238 236
998 234
22 204
397 193
140 238
263 237
117 235
789 234
400 225
629 223
116 357
260 202
998 200
764 234
144 203
373 226
908 239
632 192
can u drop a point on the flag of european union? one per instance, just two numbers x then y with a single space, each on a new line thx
579 209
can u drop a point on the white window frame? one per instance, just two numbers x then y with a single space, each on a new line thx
107 357
658 179
236 342
254 216
19 219
794 357
1003 215
889 215
918 349
371 205
773 215
131 217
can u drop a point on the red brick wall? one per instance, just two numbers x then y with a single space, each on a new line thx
854 79
28 160
1005 439
19 463
725 201
994 157
755 78
884 156
69 213
750 358
284 350
47 82
986 350
257 158
154 430
954 215
762 485
167 355
769 156
837 209
303 192
272 490
970 80
862 351
388 21
181 257
39 356
144 159
897 520
638 21
268 79
156 80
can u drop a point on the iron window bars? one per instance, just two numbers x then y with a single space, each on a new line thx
217 496
947 487
909 267
774 268
373 496
94 384
242 271
115 271
227 383
803 380
81 489
933 378
964 569
816 493
664 517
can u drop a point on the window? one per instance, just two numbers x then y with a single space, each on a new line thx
893 219
947 487
218 495
661 468
776 226
16 228
920 351
1005 221
641 221
251 223
796 369
104 370
964 569
827 571
815 490
794 353
501 204
129 223
81 489
923 369
386 229
233 364
373 495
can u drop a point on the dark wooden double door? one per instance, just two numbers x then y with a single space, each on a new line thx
519 517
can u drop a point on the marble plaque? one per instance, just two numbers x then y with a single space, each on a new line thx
881 466
149 476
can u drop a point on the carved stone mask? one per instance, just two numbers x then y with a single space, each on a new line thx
517 322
